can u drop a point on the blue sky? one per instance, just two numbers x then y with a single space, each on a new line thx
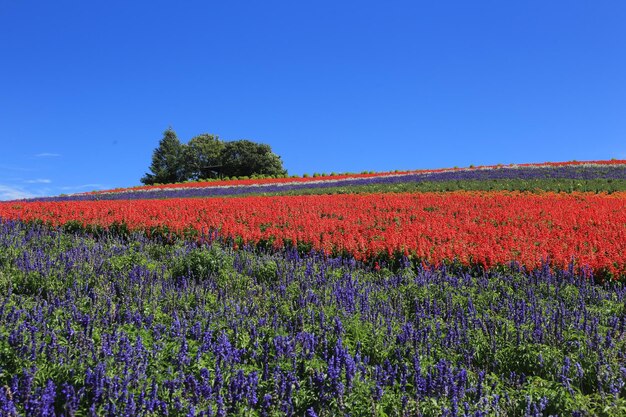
87 88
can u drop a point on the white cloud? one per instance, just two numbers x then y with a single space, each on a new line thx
47 155
13 193
38 181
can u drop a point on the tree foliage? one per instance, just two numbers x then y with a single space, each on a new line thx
203 156
245 158
167 161
206 156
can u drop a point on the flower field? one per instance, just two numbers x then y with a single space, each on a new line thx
465 303
483 229
599 176
516 170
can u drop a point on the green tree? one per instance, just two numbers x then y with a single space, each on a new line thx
168 163
245 158
203 156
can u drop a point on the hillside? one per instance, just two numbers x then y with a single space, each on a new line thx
460 292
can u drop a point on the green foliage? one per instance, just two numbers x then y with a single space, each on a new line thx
529 186
203 155
245 158
208 157
199 264
124 263
266 272
167 161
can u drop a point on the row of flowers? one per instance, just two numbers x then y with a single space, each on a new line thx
339 177
587 171
479 228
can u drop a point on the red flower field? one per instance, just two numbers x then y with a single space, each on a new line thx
472 228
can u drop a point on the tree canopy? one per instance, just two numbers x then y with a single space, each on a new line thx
167 161
203 156
206 156
245 158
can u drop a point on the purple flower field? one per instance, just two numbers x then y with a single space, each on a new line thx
126 326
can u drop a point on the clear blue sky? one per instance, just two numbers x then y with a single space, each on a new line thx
88 87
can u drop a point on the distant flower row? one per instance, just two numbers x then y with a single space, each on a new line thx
470 228
568 170
243 182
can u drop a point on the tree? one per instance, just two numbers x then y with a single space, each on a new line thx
245 158
203 156
167 161
206 155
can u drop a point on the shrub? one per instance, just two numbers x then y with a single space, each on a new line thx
200 263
